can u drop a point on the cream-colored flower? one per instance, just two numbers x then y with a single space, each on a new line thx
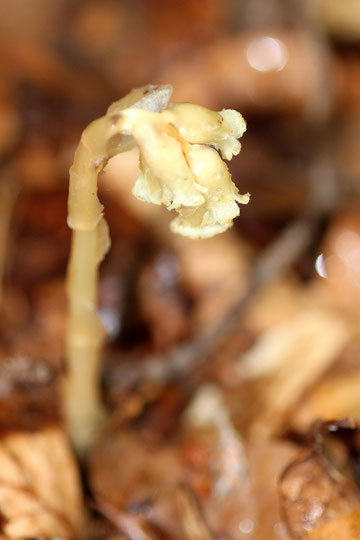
181 167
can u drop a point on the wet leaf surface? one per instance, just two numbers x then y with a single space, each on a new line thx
319 492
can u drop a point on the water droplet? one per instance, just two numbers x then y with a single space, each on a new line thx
267 54
246 525
320 266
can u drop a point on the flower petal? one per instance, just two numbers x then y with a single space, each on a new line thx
163 158
200 125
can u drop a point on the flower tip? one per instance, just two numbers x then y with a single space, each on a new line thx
179 226
243 199
234 122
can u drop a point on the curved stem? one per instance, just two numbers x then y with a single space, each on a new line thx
90 241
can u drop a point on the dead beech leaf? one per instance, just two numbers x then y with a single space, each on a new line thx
319 494
291 357
39 487
314 493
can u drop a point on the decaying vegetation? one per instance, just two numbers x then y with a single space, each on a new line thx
230 368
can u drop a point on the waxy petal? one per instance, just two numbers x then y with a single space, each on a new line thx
180 166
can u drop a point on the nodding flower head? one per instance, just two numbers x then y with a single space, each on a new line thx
181 167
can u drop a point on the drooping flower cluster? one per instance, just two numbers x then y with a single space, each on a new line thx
180 164
180 168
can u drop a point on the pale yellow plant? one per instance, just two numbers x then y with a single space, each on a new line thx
180 167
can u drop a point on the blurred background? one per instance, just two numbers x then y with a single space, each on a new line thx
267 314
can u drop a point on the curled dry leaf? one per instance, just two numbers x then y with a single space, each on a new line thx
319 495
314 493
39 487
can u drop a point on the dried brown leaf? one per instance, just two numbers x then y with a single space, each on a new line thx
290 357
39 486
319 494
313 493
